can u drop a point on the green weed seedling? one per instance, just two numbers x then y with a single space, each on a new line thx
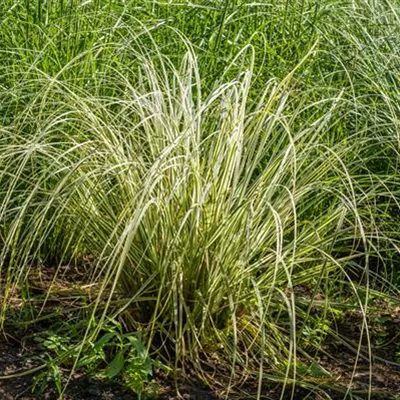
51 375
57 351
124 356
315 332
115 356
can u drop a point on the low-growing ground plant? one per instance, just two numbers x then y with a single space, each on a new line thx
114 356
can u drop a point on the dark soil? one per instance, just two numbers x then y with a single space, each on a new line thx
375 377
384 375
379 368
14 359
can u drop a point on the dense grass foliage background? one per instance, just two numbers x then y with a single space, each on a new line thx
211 159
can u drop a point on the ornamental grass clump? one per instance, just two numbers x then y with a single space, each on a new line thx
205 210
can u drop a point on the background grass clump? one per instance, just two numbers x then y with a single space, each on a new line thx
200 164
